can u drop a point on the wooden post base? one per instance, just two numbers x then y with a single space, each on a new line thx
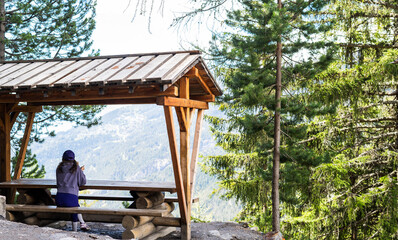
186 232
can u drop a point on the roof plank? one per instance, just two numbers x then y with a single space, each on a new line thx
28 75
6 66
167 67
79 72
104 76
50 80
185 65
131 68
149 68
31 82
91 74
18 73
10 70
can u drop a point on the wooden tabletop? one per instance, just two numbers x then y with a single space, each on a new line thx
94 184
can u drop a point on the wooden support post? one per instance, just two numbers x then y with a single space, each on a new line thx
195 148
5 148
14 116
22 151
184 159
176 163
24 146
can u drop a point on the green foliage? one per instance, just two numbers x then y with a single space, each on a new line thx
48 28
354 196
245 60
126 204
31 168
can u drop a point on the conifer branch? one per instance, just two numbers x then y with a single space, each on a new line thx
363 45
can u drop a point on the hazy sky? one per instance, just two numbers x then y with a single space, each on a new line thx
117 34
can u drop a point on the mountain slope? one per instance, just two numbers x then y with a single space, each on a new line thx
132 144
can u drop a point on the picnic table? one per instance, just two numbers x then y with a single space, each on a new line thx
26 183
138 221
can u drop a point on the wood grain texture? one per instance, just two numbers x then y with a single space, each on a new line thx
139 232
22 151
87 210
176 163
5 147
85 95
195 147
179 102
94 184
24 146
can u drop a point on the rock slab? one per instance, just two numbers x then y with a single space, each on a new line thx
2 206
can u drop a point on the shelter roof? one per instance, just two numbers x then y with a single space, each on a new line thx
20 80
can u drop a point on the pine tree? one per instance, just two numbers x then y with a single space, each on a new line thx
245 60
48 29
31 168
355 195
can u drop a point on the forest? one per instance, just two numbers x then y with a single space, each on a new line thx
338 115
310 116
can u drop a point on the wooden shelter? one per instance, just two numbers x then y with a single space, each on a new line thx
178 80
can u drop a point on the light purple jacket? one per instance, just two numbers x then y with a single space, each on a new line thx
68 182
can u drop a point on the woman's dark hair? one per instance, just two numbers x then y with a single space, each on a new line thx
71 170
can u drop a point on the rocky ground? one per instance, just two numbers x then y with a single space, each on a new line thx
62 231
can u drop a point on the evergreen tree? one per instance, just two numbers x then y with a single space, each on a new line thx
355 195
245 59
30 167
47 29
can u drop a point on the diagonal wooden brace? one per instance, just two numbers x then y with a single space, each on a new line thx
182 203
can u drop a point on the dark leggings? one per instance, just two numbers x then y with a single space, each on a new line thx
68 200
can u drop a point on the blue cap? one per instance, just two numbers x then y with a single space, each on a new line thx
68 155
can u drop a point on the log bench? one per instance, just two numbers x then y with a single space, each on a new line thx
123 198
149 212
87 210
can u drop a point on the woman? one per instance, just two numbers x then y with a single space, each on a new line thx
69 177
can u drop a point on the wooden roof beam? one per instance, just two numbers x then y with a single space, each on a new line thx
64 96
194 74
26 108
100 102
180 102
204 98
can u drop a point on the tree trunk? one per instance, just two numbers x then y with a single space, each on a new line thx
277 136
2 30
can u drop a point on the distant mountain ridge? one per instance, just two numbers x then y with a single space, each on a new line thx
131 144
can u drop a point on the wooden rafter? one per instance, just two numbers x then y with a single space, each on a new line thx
194 74
87 95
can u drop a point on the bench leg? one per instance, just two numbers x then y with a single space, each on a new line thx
186 231
6 192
